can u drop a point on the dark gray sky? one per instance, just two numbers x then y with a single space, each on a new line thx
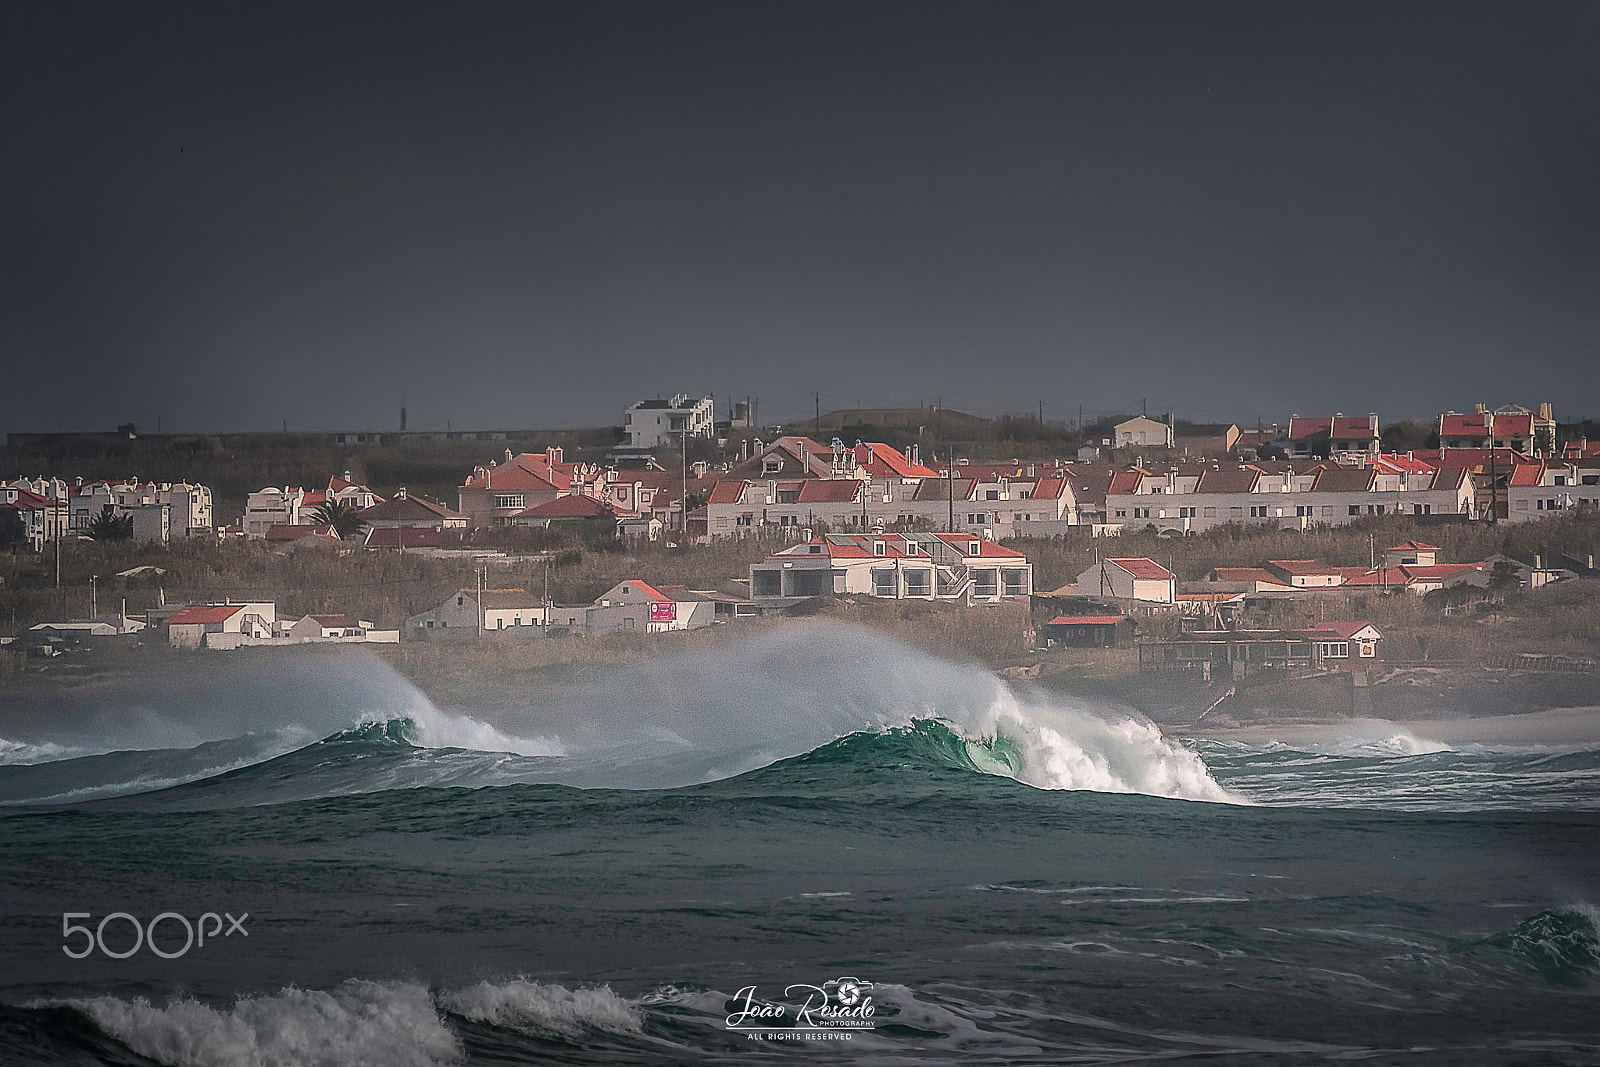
224 215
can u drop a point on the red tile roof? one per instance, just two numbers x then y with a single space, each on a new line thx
727 492
404 537
1245 574
1516 424
986 549
195 614
1344 479
1470 425
1302 567
649 590
1357 428
1126 481
1527 474
886 460
1412 546
566 507
1086 620
1143 569
1048 489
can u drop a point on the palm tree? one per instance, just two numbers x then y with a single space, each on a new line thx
345 520
106 526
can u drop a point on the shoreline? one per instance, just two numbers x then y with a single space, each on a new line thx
1552 726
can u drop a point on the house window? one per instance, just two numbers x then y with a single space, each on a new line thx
877 548
985 583
974 547
766 583
883 582
1304 511
1422 509
1355 509
1186 513
1141 513
1258 511
508 500
917 582
994 494
459 601
1122 513
1016 581
771 466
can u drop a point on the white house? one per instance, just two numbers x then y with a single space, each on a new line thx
42 519
491 609
653 423
1197 498
637 606
921 566
1142 432
271 507
1534 490
339 628
210 625
1129 579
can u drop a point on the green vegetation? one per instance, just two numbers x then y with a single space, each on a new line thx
108 527
346 521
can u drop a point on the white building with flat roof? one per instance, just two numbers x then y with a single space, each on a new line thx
653 423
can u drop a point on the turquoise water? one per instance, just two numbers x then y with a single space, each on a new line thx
1020 881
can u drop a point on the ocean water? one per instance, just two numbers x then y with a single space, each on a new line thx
813 845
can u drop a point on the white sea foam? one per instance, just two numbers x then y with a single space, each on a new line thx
442 729
534 1007
392 1024
15 753
1068 748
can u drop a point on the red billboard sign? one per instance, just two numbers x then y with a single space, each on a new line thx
660 612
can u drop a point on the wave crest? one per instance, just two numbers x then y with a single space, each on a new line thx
392 1023
536 1008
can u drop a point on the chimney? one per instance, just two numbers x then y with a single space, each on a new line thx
1480 409
401 495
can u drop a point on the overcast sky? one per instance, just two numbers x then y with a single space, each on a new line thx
226 215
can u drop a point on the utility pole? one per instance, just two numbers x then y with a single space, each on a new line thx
683 506
816 422
94 596
1494 488
950 486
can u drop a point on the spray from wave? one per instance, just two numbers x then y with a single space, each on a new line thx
680 721
403 1024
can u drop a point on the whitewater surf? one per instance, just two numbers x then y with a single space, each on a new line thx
731 857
